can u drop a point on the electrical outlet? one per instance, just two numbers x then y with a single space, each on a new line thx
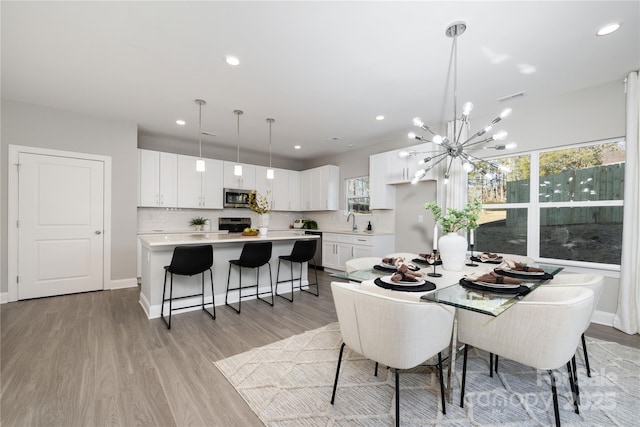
420 218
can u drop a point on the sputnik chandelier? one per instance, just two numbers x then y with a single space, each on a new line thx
456 144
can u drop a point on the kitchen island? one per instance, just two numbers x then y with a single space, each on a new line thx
157 250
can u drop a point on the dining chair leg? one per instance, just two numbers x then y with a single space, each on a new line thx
575 377
464 375
444 405
554 392
397 398
335 382
491 365
586 356
495 365
572 384
375 371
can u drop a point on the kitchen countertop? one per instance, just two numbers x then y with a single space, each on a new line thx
355 233
172 239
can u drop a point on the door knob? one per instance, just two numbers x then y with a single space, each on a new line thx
98 231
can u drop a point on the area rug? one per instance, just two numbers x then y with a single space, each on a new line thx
289 383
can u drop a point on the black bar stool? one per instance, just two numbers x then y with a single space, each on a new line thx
254 255
188 261
303 251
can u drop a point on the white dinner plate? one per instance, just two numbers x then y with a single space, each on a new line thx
524 273
390 266
387 279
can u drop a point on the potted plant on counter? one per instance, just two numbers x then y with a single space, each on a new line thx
452 246
198 223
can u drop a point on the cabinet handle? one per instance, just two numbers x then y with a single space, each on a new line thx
157 200
162 200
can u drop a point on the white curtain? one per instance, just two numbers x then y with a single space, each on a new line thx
628 314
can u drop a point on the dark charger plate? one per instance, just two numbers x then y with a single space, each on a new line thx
521 290
427 286
528 277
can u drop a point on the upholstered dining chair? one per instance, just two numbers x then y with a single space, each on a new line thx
397 333
541 331
594 282
361 263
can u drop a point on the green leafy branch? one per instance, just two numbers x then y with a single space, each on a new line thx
456 219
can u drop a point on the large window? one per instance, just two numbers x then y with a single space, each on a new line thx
558 204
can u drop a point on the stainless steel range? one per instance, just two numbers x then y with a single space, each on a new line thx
233 225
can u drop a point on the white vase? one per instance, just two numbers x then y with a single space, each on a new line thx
453 251
263 220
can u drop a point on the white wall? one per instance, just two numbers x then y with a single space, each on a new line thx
38 126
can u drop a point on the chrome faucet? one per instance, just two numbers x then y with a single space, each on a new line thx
354 227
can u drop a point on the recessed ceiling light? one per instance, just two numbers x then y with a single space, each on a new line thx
380 117
232 60
180 122
608 29
334 139
297 147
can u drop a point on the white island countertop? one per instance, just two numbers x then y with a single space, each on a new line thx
159 240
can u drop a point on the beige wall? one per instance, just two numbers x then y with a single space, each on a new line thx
38 126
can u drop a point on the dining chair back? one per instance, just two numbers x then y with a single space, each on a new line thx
594 282
398 333
361 263
541 331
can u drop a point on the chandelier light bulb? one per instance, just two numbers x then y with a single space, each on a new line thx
417 121
468 167
403 154
414 180
500 135
412 135
446 179
505 113
511 146
420 173
504 168
466 109
437 140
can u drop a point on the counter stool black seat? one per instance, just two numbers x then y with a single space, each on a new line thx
188 261
253 255
303 251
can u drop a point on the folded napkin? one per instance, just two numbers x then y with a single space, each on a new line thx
488 256
492 277
397 261
518 266
405 274
429 258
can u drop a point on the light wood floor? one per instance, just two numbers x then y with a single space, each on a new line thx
94 359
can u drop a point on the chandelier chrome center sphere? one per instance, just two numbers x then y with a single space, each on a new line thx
455 145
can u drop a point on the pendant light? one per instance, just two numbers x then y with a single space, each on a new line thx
237 169
200 162
270 173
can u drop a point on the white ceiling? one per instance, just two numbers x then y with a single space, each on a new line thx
321 69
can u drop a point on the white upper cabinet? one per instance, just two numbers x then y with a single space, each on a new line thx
286 190
158 179
247 181
199 189
381 194
319 188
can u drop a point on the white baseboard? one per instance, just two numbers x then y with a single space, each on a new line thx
4 297
124 283
603 318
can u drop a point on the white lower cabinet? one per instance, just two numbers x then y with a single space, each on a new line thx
338 248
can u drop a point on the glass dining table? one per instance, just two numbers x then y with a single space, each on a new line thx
450 292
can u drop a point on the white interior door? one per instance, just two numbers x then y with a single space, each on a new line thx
60 231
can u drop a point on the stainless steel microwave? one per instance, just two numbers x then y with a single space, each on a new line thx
236 198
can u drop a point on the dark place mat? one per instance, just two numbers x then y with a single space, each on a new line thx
425 262
528 277
385 269
521 290
428 286
488 261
